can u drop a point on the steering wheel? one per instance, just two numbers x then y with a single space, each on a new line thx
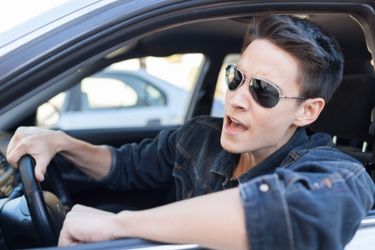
46 210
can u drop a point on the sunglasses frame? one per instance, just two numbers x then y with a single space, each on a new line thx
251 83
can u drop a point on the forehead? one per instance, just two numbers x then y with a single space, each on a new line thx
265 60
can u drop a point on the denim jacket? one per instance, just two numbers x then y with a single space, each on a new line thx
306 195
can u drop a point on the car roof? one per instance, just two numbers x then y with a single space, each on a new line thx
44 22
226 35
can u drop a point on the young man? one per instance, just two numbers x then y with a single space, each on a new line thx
283 189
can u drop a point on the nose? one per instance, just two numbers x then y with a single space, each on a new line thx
240 98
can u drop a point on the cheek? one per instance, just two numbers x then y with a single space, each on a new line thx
227 99
275 120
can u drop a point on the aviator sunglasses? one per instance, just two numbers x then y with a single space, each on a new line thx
264 93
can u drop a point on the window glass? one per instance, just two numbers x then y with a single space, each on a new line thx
104 92
49 111
138 92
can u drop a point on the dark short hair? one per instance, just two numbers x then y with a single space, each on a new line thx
319 55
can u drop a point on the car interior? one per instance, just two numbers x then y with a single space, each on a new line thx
349 117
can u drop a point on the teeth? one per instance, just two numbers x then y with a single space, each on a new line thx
235 124
234 121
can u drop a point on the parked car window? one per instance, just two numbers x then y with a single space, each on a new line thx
105 92
48 113
139 92
119 91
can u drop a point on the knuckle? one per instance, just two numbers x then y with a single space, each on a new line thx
26 144
23 146
20 131
77 206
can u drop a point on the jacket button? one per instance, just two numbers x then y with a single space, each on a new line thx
264 187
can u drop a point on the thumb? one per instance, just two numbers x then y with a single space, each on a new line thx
65 238
40 169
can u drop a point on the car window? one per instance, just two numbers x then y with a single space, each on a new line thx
138 92
119 91
105 92
217 108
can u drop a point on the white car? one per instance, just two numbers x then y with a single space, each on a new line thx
117 99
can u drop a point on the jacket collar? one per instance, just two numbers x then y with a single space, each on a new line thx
225 161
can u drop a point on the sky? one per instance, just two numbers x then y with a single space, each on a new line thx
14 12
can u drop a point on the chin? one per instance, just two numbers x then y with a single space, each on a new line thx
229 146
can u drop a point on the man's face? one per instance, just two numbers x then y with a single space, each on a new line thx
249 127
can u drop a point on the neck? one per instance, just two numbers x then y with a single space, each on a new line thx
249 159
245 163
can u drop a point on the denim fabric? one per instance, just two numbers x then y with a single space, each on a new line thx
306 195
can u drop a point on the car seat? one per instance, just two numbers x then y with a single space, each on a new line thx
347 117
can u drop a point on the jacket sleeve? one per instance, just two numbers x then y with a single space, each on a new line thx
148 164
311 205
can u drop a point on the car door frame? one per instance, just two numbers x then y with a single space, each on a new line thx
38 72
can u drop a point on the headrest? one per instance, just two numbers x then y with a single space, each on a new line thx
348 114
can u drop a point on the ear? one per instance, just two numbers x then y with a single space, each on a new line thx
309 111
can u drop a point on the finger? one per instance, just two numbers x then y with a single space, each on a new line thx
10 146
66 237
65 240
39 175
14 140
14 156
40 168
77 209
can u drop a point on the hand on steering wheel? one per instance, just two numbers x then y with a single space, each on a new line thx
47 216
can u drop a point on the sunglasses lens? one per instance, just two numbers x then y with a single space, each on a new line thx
233 77
264 93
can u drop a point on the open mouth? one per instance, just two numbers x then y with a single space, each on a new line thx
234 126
